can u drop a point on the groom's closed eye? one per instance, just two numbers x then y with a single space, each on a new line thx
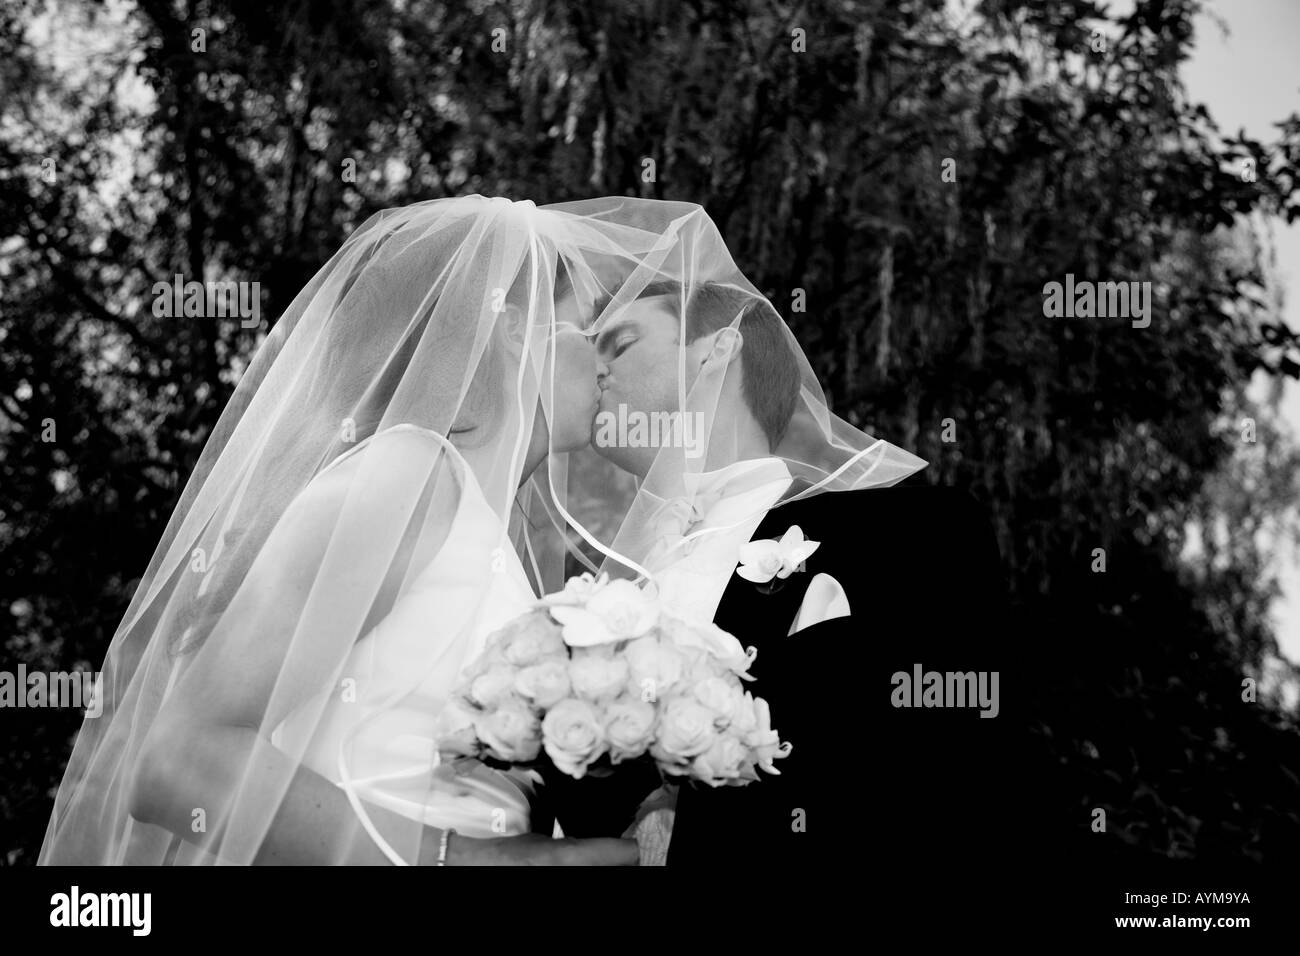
614 342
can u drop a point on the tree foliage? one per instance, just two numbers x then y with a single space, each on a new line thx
900 180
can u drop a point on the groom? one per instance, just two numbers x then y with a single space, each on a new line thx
863 653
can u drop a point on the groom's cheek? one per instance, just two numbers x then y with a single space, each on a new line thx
650 385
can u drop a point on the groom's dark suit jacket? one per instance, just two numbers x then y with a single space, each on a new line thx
916 795
870 786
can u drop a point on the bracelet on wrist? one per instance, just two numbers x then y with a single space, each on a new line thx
442 846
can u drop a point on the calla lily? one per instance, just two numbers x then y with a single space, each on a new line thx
760 561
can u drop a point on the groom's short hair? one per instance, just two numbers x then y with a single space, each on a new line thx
561 284
769 369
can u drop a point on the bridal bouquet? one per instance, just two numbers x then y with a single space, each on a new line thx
598 674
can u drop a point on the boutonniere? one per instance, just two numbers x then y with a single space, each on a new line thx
770 561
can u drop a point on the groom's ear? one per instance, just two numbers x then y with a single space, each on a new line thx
720 346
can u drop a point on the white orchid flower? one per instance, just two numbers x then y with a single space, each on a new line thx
617 611
577 590
760 561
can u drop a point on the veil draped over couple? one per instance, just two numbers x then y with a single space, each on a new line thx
473 400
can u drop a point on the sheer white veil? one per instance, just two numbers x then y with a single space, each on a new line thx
752 359
404 380
405 384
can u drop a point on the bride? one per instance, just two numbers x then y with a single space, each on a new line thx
368 509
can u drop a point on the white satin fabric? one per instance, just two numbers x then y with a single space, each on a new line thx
376 737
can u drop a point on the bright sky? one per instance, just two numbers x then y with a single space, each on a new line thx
1251 79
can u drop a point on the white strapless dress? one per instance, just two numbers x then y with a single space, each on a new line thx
379 743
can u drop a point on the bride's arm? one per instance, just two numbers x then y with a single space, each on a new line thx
315 824
208 743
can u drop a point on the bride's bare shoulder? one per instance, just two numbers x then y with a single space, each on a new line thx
411 445
401 463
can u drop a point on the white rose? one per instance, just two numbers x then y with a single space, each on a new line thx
604 651
530 639
685 731
721 763
710 639
596 678
655 669
701 666
455 731
724 697
629 727
572 736
511 732
494 686
545 684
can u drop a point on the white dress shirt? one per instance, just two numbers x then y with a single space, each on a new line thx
701 534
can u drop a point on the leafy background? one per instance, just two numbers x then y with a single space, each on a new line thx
823 168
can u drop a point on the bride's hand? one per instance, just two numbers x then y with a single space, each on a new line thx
534 849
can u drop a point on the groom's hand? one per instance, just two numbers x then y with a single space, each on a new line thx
534 849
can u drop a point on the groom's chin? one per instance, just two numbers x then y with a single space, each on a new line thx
609 454
621 458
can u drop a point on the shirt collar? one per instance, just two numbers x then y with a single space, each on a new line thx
737 478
